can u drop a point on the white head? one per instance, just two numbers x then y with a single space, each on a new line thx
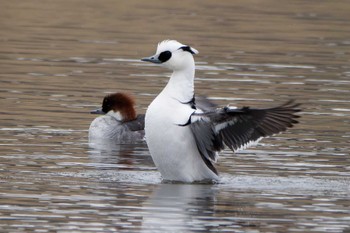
173 55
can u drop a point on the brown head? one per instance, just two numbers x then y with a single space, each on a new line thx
120 102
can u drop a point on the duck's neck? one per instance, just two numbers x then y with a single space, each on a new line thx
181 84
115 115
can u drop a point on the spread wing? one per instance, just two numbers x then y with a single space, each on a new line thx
237 128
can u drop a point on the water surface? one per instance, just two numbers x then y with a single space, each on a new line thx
59 58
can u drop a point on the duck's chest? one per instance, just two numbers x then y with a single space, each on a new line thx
167 112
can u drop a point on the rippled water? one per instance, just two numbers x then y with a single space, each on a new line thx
59 58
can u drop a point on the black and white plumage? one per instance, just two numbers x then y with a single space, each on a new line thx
237 128
184 137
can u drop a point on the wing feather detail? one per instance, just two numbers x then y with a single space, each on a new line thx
237 128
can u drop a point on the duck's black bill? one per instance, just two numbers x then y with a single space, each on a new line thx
97 111
152 59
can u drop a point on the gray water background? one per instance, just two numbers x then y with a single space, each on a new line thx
59 58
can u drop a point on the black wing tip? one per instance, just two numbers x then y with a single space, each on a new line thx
290 107
280 118
292 104
295 121
294 107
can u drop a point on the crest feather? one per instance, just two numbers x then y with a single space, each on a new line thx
168 45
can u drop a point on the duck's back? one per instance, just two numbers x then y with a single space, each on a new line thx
106 128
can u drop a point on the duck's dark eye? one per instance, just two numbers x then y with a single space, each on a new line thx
107 104
164 56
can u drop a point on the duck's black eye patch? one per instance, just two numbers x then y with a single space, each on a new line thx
188 49
164 56
107 104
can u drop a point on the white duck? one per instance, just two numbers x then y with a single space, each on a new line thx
183 138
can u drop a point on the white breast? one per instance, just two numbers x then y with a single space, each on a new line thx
173 147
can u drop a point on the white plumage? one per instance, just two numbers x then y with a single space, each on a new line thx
184 138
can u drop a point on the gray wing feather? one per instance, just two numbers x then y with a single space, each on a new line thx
236 128
203 103
136 124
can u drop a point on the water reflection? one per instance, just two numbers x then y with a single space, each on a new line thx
127 156
59 59
176 207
